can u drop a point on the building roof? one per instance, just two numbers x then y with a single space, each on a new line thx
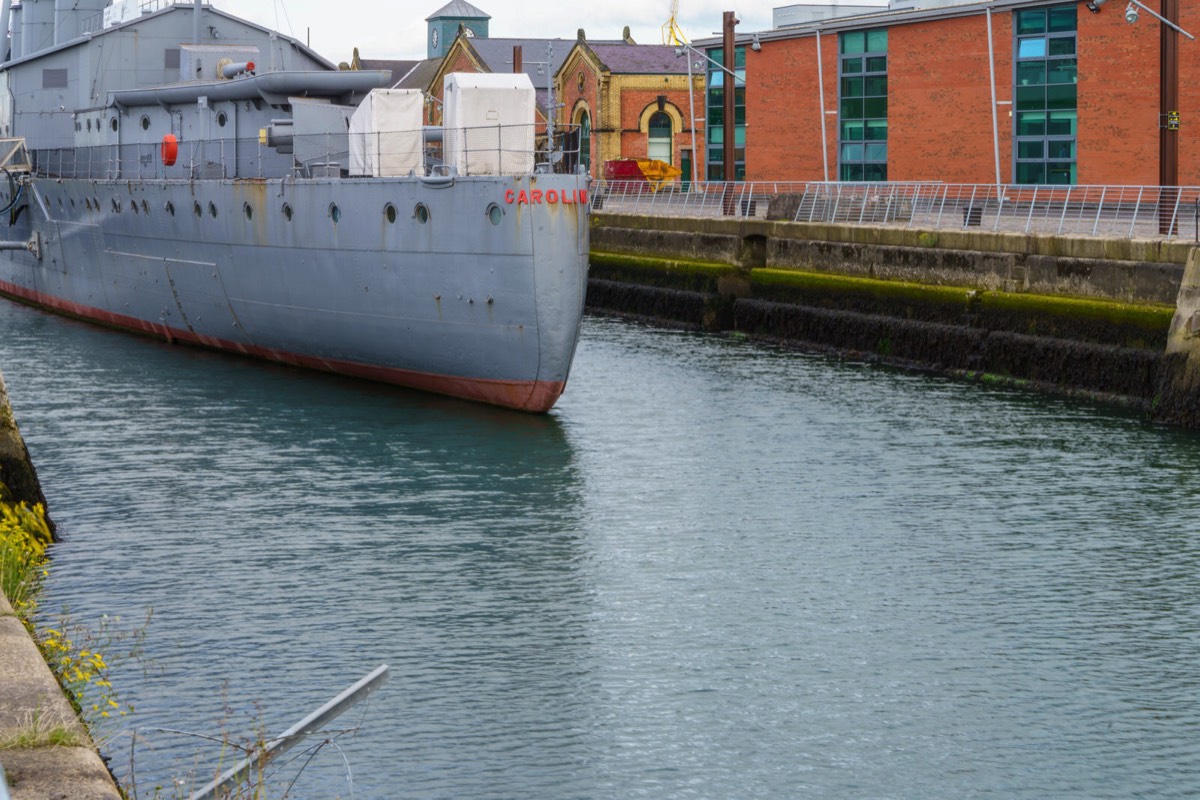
639 59
458 9
496 54
420 76
398 69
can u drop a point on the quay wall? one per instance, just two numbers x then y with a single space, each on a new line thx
31 699
1073 315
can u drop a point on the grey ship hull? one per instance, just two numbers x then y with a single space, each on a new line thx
479 296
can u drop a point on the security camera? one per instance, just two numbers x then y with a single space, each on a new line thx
1131 14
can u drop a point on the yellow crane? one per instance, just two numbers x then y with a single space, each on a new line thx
671 34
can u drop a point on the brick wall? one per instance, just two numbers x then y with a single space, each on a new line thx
1118 98
1189 96
783 114
939 101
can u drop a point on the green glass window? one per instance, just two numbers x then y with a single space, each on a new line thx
715 114
1044 94
862 105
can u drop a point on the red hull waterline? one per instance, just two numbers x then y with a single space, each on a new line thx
533 396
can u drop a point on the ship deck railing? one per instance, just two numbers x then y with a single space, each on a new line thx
484 150
1163 212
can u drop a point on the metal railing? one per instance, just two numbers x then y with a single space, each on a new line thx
491 150
1171 212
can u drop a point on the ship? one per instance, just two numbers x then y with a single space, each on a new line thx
173 170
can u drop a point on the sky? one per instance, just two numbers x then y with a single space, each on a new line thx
396 28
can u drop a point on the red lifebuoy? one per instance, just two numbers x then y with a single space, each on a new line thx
170 149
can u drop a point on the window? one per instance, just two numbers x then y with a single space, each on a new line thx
171 58
659 144
715 115
862 105
1044 97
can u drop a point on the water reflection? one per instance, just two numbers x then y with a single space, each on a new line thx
717 569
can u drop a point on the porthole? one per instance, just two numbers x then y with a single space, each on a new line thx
222 119
421 212
495 213
196 208
145 122
133 207
89 126
169 207
113 123
87 203
389 212
335 213
287 211
145 207
96 203
116 205
248 210
212 209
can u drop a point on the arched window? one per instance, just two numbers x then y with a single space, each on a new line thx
659 145
585 141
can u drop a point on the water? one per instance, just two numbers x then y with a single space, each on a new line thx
716 570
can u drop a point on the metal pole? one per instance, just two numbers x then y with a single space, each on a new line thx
1168 139
992 79
728 47
821 99
692 114
295 734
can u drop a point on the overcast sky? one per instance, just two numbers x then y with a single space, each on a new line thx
396 28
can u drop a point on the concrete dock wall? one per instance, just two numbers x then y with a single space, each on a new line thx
1075 315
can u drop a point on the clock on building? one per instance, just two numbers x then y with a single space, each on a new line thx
433 38
467 32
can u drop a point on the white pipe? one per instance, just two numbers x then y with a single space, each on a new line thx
992 77
821 96
691 113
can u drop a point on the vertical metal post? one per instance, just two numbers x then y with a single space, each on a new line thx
821 98
1099 210
992 81
691 109
729 21
1032 206
1063 217
1168 139
729 128
1137 208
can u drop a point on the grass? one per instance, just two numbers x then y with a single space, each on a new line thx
39 731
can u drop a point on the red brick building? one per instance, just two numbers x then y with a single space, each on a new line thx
632 101
1010 92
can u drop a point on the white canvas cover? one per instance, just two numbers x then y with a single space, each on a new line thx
489 123
385 134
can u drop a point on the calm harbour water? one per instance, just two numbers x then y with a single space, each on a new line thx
716 570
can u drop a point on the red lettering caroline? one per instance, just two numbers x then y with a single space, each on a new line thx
549 197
